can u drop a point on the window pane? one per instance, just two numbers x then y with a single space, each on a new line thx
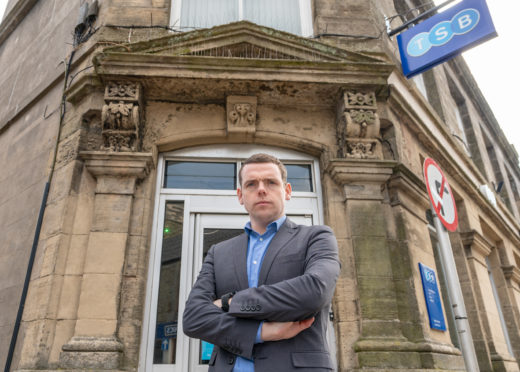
198 175
208 13
210 238
282 15
168 301
299 176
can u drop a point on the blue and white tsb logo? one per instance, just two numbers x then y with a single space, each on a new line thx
463 22
429 276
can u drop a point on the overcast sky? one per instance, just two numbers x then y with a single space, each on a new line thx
492 65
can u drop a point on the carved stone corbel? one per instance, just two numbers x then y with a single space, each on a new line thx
121 116
241 114
357 126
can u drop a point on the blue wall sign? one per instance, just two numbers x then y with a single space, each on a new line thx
445 35
433 300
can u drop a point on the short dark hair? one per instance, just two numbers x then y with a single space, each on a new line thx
263 158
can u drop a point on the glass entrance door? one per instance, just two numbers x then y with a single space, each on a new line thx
196 208
210 229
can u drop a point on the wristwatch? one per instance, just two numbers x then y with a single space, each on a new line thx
225 300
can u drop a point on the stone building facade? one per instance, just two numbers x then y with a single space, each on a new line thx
140 128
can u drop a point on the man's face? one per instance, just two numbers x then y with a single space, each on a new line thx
263 193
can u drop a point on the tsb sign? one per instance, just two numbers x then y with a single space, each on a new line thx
442 32
444 35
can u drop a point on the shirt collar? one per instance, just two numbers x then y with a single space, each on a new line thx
275 224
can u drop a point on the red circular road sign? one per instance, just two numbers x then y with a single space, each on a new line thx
440 194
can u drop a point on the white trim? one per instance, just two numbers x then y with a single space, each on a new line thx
233 151
318 191
143 353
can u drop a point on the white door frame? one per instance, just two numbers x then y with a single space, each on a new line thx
207 202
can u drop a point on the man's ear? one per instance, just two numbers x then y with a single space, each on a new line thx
239 194
288 190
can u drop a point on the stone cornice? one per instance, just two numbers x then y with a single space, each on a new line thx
480 103
116 65
361 179
242 51
454 163
511 273
476 242
354 171
117 164
409 191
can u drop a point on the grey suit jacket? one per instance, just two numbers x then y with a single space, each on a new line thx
296 282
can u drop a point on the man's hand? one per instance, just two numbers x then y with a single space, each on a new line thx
274 331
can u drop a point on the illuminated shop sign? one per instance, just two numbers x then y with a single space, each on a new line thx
444 36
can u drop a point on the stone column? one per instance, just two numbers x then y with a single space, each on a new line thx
381 343
95 344
410 244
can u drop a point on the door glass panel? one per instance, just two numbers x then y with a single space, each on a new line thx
299 176
200 175
168 300
213 236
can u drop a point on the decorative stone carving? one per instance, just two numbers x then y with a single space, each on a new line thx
123 90
241 114
357 128
354 99
360 150
121 117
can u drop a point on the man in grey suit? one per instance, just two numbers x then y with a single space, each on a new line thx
262 298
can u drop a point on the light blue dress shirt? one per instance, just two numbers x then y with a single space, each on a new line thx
256 248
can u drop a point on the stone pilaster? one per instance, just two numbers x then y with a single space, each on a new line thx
392 331
381 343
95 344
410 244
489 340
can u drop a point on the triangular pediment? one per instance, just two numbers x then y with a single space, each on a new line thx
243 40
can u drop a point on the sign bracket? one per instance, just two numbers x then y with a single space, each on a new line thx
416 19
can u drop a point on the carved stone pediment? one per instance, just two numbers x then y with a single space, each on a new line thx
243 40
181 64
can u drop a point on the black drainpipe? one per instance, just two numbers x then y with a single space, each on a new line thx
43 205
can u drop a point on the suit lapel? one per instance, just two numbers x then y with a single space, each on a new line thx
240 261
281 238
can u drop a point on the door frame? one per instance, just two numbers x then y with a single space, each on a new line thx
194 202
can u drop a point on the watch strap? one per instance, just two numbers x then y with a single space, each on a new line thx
225 300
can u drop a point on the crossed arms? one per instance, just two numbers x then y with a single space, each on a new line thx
287 307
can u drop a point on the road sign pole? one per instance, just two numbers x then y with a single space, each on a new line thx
455 293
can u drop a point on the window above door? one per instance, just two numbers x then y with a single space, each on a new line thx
294 16
220 175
